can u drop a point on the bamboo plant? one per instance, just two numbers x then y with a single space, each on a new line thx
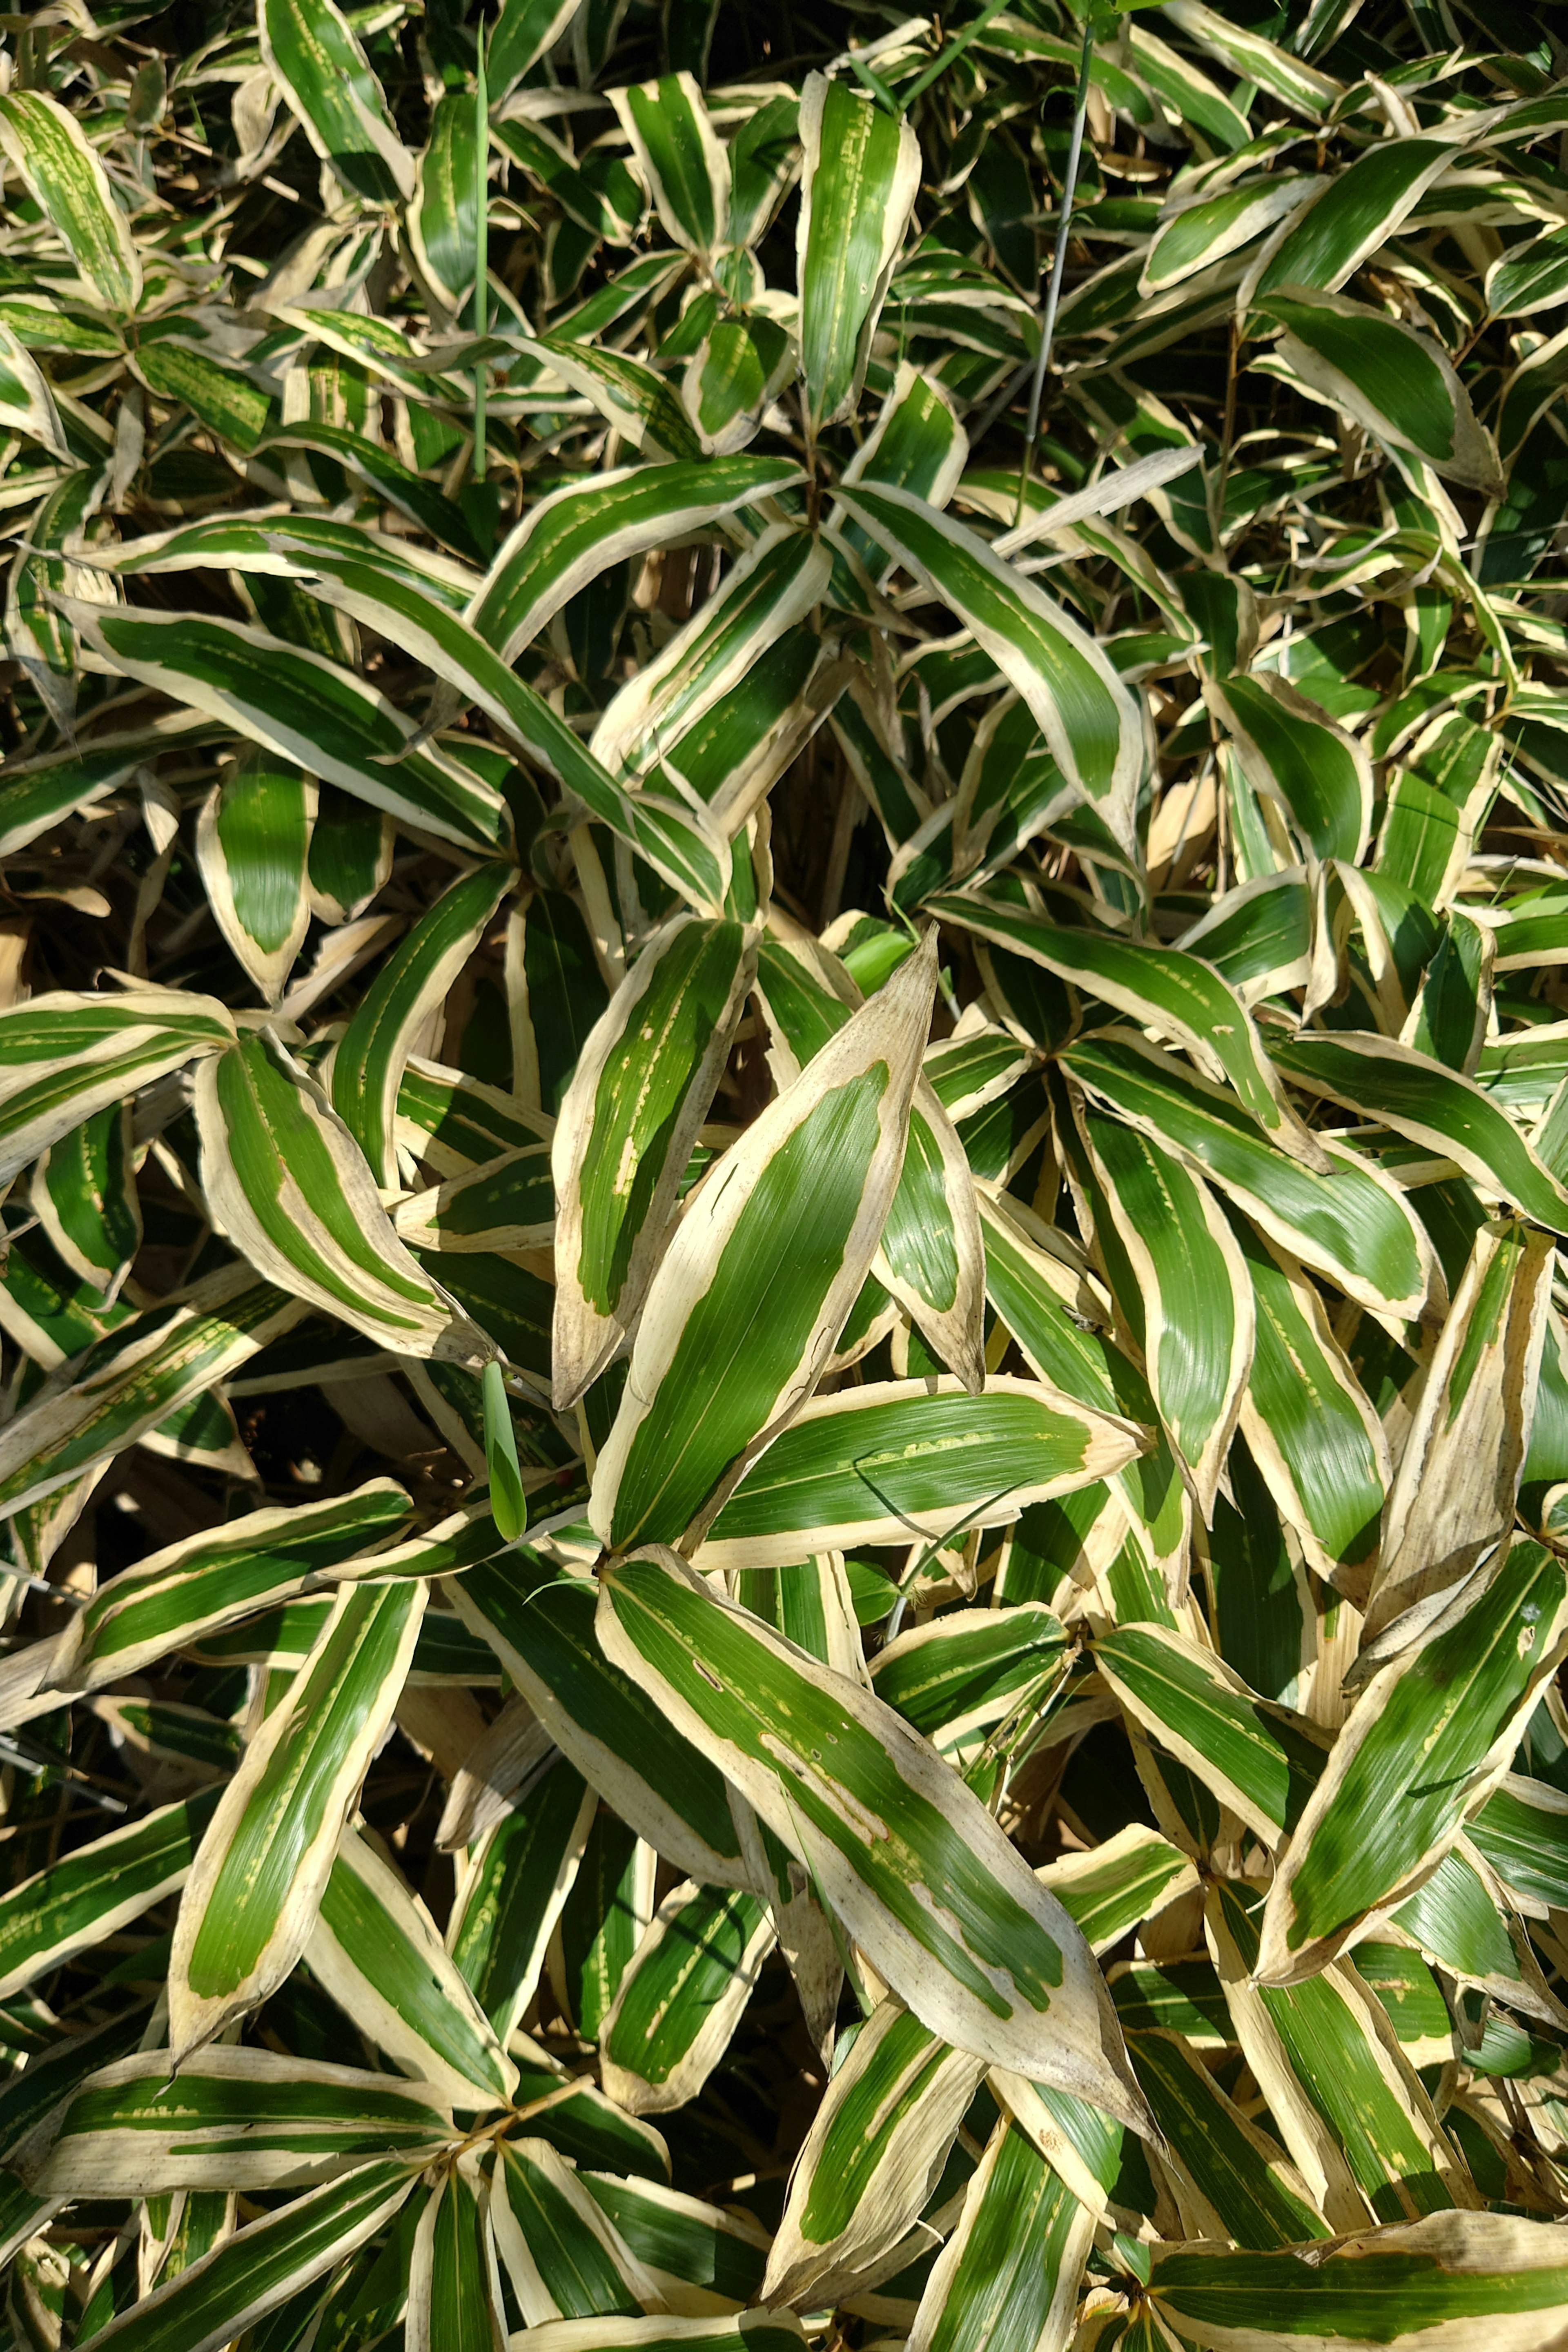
784 1134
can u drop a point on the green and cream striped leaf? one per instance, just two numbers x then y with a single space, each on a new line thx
48 150
314 56
97 1890
1354 213
252 845
1196 1294
740 1318
131 1381
287 1185
1110 1887
457 1123
64 1057
766 592
1450 2283
253 1893
453 2279
563 2255
575 533
84 1196
264 2264
542 1630
702 2260
1207 230
444 217
960 1679
683 1996
680 155
641 405
26 402
1011 2272
896 1459
1450 1116
1333 2061
1431 1735
872 2157
641 1089
1290 749
1000 1969
1396 383
675 842
234 2119
370 1056
304 710
860 175
512 1887
1258 1759
930 1255
1089 719
375 1950
280 541
602 1921
1231 2179
506 1203
1347 1220
1310 1424
1164 987
748 2331
1454 1496
214 1578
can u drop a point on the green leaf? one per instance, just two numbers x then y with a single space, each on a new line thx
872 2157
1431 1733
65 176
316 58
236 2119
682 1997
508 1500
1087 716
862 172
750 1297
263 2265
999 1969
253 1892
641 1089
876 1464
1449 2281
290 1186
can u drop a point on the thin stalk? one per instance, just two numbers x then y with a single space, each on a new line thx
481 249
1058 265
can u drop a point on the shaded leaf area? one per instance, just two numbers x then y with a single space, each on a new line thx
784 1148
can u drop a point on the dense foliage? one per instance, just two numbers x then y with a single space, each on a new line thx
784 1127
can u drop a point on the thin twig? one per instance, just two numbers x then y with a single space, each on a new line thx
1058 265
481 248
